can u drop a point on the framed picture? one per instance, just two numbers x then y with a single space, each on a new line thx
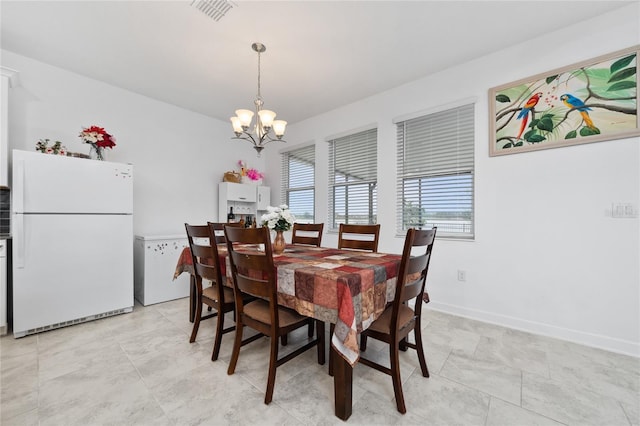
591 101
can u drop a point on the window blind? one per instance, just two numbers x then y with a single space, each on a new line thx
298 182
435 172
353 173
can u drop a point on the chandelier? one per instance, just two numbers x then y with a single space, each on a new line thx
260 134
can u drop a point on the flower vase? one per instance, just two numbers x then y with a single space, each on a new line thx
96 153
279 243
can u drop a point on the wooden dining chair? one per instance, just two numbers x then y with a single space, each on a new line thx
400 319
307 233
359 237
219 237
254 273
206 267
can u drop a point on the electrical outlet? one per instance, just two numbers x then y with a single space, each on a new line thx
462 275
624 210
629 210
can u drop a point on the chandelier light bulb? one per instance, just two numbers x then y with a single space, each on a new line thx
278 127
245 116
266 118
237 126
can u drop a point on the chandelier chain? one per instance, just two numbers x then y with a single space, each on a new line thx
259 97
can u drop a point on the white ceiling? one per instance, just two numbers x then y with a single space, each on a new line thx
320 54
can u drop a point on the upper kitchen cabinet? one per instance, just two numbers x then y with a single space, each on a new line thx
245 199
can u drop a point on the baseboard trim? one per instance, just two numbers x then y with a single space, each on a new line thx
620 346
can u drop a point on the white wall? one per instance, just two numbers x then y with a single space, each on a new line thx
178 156
547 257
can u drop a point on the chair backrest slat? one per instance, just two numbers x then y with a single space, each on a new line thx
359 237
201 251
416 273
303 233
207 272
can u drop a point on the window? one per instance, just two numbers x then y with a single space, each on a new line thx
298 182
435 172
353 179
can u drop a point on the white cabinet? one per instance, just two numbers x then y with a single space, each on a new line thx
239 192
264 198
8 79
245 198
155 260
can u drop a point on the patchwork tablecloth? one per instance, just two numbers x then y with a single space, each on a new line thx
346 288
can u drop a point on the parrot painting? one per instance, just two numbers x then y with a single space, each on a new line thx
524 113
572 102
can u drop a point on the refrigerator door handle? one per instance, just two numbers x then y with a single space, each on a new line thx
18 241
18 186
18 216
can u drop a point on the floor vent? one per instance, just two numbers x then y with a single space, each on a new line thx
75 321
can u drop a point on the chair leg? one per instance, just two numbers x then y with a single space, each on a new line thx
420 350
363 342
310 330
196 321
218 340
236 346
332 328
320 337
284 339
192 298
403 345
271 380
394 356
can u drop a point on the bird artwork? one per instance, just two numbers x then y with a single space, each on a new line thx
591 101
574 103
526 109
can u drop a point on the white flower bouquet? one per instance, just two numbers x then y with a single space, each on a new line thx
278 218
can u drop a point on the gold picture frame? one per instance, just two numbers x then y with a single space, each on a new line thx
590 101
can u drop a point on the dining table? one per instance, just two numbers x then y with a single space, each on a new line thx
347 288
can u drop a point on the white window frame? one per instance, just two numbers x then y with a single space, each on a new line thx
436 152
357 152
304 154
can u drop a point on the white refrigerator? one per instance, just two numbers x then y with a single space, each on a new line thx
72 229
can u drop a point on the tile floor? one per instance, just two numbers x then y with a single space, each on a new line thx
139 369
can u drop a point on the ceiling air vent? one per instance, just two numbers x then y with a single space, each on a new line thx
214 9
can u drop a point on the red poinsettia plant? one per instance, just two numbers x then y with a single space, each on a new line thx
98 137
